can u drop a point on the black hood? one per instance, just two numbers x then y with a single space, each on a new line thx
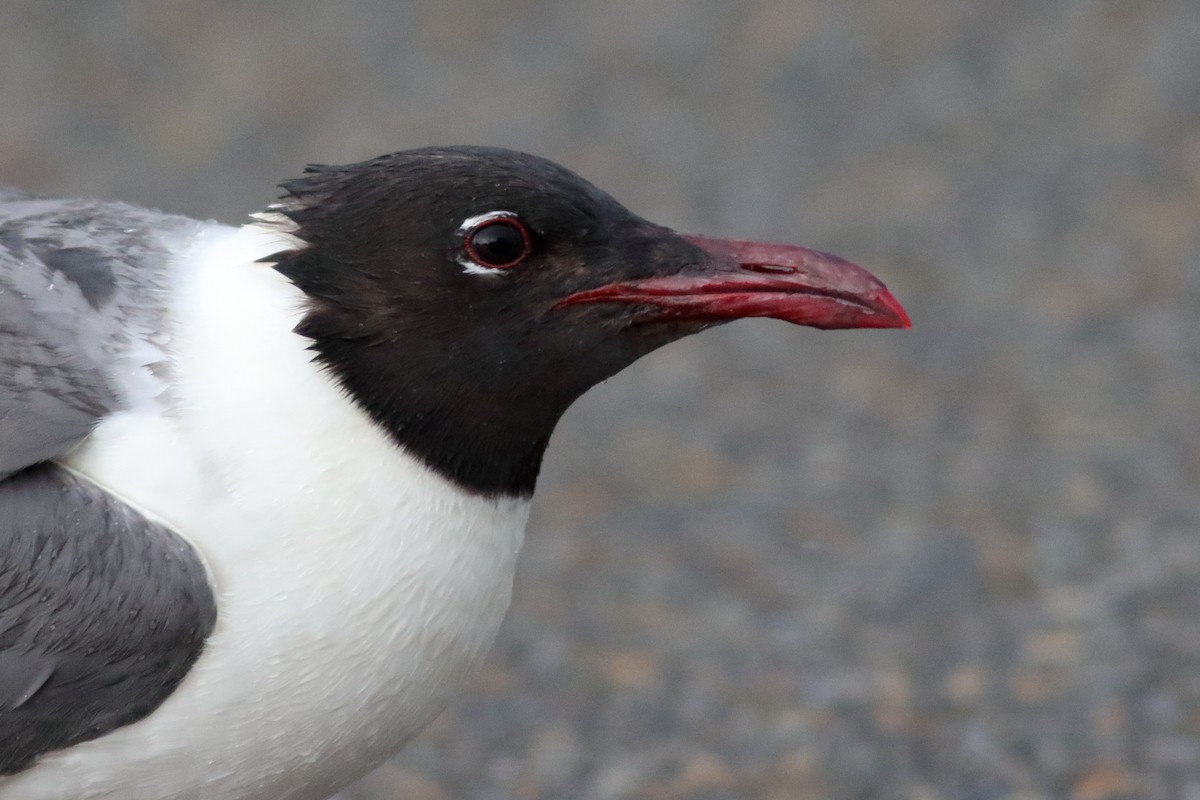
466 296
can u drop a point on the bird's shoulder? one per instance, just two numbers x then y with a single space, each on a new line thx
82 301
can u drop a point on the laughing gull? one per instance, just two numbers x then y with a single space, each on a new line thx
262 489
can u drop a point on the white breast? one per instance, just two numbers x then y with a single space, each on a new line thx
356 589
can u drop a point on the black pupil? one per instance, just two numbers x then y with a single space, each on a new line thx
497 244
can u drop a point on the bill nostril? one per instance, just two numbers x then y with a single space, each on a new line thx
770 269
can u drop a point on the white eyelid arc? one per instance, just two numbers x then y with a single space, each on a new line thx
471 223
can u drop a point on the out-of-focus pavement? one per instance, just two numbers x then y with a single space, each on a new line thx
957 562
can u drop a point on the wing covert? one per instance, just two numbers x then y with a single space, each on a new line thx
83 288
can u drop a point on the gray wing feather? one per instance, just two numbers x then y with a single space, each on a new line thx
21 676
102 613
51 389
82 314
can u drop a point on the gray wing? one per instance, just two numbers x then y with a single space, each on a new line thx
82 288
102 613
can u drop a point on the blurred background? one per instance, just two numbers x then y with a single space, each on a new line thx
957 562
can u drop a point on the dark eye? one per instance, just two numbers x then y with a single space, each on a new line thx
498 243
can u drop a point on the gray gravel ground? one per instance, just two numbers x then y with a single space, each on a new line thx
958 562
